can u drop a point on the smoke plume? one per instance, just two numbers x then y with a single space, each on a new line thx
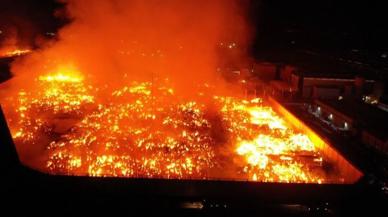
116 41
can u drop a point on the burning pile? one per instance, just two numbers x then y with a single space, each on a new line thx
147 130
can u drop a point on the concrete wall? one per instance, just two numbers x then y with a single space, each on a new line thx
350 173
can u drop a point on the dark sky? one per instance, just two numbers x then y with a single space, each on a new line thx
329 24
27 18
313 24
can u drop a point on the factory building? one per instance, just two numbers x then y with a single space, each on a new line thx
355 118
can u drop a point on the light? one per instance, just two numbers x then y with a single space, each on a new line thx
318 112
346 126
331 117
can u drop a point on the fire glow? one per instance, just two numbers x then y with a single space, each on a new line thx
146 130
135 89
15 52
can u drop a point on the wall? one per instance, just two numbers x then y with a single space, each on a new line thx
350 173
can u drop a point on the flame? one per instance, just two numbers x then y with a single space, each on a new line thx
59 77
64 74
145 129
15 52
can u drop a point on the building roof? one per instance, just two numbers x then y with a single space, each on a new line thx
370 118
283 86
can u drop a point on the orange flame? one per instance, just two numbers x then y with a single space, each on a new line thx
146 130
15 52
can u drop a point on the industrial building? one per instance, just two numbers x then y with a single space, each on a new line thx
357 118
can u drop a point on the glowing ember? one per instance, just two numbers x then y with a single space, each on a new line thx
16 52
146 130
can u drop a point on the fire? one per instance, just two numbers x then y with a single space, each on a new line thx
64 74
145 129
262 150
60 78
15 52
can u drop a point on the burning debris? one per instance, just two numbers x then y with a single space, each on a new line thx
147 130
14 52
116 114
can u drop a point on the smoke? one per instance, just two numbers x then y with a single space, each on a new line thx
116 41
11 40
23 23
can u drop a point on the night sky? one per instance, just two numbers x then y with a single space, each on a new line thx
320 25
28 19
325 24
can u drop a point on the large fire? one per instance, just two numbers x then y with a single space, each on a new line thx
146 129
133 89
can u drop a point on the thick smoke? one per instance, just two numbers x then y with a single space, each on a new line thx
113 41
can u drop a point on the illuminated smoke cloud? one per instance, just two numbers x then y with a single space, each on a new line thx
114 41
